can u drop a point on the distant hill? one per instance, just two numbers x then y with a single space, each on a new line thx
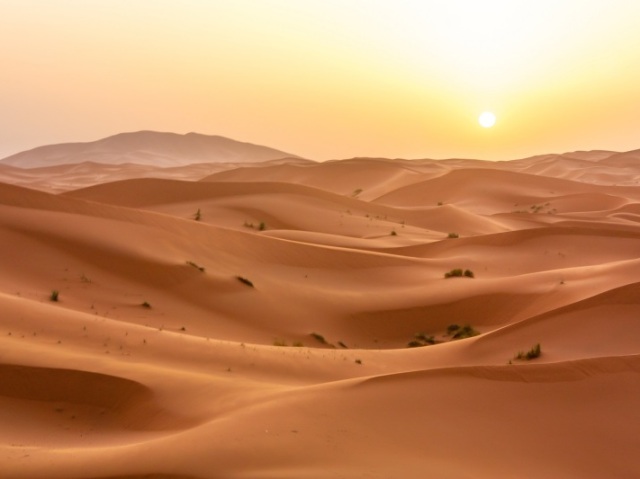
147 148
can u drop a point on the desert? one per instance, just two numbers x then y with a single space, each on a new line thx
255 314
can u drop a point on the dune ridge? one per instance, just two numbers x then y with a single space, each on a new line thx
293 319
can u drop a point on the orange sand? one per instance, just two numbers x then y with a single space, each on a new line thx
219 379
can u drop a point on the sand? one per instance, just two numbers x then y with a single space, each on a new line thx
254 321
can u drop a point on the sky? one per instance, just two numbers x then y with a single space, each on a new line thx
326 79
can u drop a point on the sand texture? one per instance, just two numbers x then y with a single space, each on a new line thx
275 320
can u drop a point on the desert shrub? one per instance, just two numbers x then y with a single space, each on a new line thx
319 338
356 192
342 345
465 331
536 208
393 233
459 273
452 328
199 268
146 304
279 342
198 215
358 361
533 353
425 338
245 281
422 339
453 235
454 273
298 344
261 226
54 295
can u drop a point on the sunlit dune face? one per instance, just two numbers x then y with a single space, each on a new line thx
487 119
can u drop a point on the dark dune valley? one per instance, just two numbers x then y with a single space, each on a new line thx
190 307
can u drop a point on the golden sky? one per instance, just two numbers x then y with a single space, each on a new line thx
326 78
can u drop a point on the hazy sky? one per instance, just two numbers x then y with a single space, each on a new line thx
326 78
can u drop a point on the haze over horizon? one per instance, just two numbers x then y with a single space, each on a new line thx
326 80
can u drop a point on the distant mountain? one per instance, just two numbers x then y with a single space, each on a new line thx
147 148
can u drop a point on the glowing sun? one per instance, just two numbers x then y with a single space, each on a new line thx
487 119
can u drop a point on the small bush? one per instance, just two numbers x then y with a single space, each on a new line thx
425 339
453 235
198 215
279 342
261 226
358 361
245 281
452 328
454 273
199 268
422 339
319 338
533 353
393 233
465 331
146 305
54 295
459 273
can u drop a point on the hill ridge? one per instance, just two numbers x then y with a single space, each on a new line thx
147 148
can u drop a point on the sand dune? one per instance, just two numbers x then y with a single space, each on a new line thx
292 319
361 178
61 178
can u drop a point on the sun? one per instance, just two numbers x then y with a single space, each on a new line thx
487 119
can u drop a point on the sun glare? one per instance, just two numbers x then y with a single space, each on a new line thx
487 119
